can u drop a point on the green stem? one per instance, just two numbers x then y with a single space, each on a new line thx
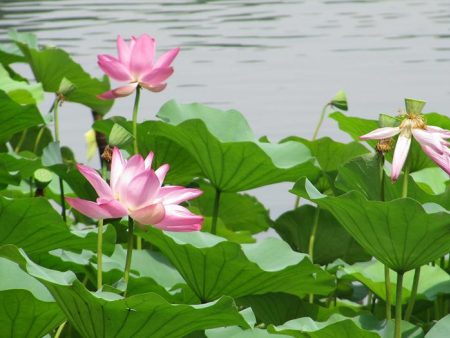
387 281
57 139
22 139
412 298
126 272
297 202
135 115
135 141
60 329
312 239
100 254
215 213
387 276
38 139
405 181
319 124
398 306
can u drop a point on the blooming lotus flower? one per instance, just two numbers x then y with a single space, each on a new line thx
432 140
135 65
135 190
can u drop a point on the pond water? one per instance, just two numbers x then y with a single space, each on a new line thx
278 62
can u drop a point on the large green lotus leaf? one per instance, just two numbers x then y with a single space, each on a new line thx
51 65
237 236
15 117
226 150
20 91
237 211
440 329
277 308
183 168
28 141
331 154
401 233
33 225
332 241
27 309
353 176
10 52
104 314
23 164
343 327
237 332
213 267
433 280
432 180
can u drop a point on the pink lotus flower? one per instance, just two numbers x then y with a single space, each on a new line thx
135 65
135 190
432 140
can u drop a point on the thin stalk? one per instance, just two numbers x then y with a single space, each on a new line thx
387 276
215 212
312 239
126 272
398 306
319 124
31 186
297 202
21 140
405 181
412 299
135 141
135 115
100 254
57 139
60 329
387 281
38 139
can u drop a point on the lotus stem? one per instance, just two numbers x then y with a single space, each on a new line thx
405 181
126 272
312 239
21 140
297 202
387 281
100 254
38 139
319 124
412 298
215 214
60 329
135 115
135 141
398 306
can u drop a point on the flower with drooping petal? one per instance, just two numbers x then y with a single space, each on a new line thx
135 65
136 190
432 140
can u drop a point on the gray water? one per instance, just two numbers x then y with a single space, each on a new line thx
278 62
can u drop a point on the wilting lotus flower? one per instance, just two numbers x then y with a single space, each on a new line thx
432 140
135 65
135 190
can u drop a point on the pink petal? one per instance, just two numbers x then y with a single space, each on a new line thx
167 58
98 183
150 214
142 55
124 51
177 194
148 160
178 218
133 167
118 92
381 133
117 166
141 190
156 76
443 132
428 139
111 209
400 154
154 89
442 160
161 172
114 68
